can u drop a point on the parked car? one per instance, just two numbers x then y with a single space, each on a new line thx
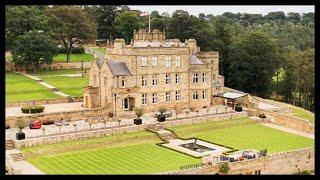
35 125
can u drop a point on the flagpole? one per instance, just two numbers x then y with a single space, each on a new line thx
149 22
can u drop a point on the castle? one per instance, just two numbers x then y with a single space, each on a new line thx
153 72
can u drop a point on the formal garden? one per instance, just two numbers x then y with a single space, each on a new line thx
243 133
21 88
137 153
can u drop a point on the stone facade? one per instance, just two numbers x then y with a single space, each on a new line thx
153 72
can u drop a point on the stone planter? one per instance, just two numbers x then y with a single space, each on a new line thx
238 108
162 118
20 135
137 121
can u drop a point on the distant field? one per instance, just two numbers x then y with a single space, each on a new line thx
73 58
302 113
21 88
133 153
244 133
69 85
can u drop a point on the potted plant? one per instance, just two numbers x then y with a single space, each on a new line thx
162 117
139 112
238 108
21 123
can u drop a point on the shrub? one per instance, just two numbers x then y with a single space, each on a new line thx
162 110
139 111
21 123
32 109
75 50
224 167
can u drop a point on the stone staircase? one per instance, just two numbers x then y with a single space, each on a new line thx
9 145
17 157
167 135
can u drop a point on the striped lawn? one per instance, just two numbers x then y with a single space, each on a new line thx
244 133
134 153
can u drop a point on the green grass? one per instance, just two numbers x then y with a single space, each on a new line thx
302 113
73 58
102 50
21 88
69 85
244 133
133 153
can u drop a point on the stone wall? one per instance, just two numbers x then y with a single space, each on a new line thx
284 120
134 128
289 162
70 65
70 115
292 122
44 101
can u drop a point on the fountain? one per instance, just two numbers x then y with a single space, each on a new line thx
196 147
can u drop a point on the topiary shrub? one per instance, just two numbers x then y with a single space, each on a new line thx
224 168
32 109
139 111
162 110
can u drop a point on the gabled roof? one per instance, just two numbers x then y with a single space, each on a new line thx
118 68
195 60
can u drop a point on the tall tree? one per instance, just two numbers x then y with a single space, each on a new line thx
252 64
106 22
72 26
126 23
33 48
20 20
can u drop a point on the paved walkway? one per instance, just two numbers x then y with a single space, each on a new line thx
23 167
45 84
49 108
289 130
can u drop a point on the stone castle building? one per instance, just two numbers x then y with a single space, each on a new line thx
153 72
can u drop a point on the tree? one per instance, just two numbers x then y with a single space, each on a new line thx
253 60
71 26
20 20
294 17
278 15
126 23
34 48
106 16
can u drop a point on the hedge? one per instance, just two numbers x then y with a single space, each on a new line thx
75 50
32 109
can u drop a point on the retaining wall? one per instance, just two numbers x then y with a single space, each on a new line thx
44 101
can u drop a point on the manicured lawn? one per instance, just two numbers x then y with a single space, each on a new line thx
133 153
69 85
74 57
102 50
244 133
21 88
302 113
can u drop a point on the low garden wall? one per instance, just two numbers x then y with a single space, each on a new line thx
69 115
133 128
285 120
292 122
70 65
44 101
289 162
201 119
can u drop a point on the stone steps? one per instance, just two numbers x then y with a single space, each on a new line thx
9 145
17 157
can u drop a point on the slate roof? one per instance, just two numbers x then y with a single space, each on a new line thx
119 68
195 60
